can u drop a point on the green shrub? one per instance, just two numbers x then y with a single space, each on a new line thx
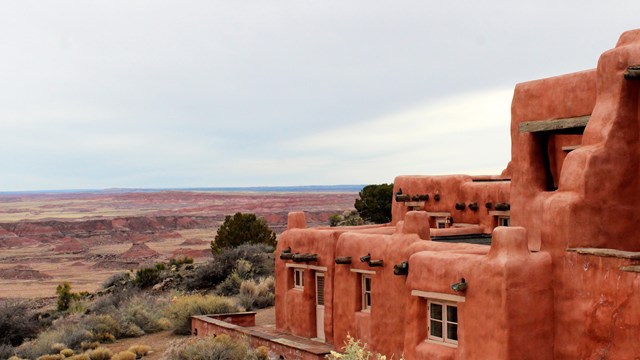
374 203
101 353
230 286
242 229
78 306
184 307
335 219
219 347
135 313
146 312
147 277
217 270
65 296
179 261
17 323
257 294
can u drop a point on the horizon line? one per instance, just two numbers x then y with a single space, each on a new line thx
277 188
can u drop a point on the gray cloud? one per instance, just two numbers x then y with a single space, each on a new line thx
215 93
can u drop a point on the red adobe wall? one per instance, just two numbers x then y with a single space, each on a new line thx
383 329
204 326
558 97
601 306
453 189
507 303
296 309
596 204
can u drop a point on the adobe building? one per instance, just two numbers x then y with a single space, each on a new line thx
539 262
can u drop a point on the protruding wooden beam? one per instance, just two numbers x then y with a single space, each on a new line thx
401 269
304 257
286 256
376 263
632 73
345 260
365 258
503 206
570 148
556 125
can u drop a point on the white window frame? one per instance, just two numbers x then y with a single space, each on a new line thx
366 300
298 278
503 218
445 323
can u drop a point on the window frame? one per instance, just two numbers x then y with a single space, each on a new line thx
366 305
445 340
298 280
504 218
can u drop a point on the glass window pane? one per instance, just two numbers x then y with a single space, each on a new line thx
435 311
367 300
452 332
367 284
452 314
436 328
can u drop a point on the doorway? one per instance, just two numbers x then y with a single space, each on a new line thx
320 305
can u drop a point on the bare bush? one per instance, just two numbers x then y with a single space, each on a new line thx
257 294
220 347
184 307
17 323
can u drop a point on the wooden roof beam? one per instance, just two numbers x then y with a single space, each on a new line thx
556 125
632 73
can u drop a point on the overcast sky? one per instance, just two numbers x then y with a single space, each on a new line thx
100 94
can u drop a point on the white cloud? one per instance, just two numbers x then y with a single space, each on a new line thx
415 127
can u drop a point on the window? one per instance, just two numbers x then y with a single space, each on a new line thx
442 321
366 292
298 278
503 221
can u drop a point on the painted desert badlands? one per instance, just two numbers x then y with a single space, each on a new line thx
83 238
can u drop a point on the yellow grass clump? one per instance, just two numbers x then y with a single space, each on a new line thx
100 353
124 355
79 357
66 352
140 350
87 345
51 357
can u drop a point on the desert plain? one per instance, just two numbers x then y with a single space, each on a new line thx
85 237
